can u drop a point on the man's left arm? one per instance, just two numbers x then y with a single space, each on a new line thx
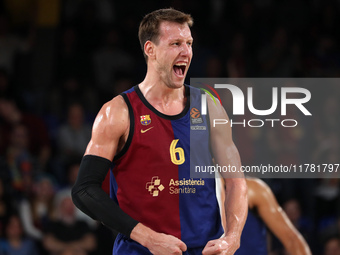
226 154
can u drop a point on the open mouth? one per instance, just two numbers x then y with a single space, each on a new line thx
180 69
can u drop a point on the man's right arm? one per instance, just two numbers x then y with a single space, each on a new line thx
109 134
87 193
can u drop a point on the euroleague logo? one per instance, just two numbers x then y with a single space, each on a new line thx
195 116
195 113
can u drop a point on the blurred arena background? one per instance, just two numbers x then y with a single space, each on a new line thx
60 60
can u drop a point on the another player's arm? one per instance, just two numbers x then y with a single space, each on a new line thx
109 134
261 197
236 204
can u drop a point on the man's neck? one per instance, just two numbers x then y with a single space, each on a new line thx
169 101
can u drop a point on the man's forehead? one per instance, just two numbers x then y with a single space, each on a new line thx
170 29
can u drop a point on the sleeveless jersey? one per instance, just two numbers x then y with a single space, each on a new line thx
253 237
150 179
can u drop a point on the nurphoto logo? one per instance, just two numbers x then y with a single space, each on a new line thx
304 96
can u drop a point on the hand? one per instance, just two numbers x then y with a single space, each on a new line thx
223 246
157 243
162 244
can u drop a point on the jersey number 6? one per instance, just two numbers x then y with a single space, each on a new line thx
176 159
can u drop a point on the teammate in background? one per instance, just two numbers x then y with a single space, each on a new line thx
265 212
145 133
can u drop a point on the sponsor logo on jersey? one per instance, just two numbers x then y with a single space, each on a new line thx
145 120
195 116
182 186
155 186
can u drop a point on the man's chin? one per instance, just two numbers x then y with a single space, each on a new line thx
176 85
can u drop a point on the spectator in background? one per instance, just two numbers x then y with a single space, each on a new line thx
6 90
276 59
37 135
67 235
15 242
293 210
73 135
327 193
69 90
68 59
103 235
11 44
72 169
37 211
327 126
109 60
122 84
6 207
20 162
237 61
214 67
332 246
325 58
329 237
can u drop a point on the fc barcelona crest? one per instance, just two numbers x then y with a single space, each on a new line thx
145 120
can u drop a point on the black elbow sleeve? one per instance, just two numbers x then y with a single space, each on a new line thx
90 198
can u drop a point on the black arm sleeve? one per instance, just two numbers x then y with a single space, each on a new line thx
90 198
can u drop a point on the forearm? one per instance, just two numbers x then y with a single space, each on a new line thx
236 206
157 243
296 245
89 197
142 234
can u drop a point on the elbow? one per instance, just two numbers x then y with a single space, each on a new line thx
75 193
82 200
77 198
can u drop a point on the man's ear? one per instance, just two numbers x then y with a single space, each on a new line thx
149 49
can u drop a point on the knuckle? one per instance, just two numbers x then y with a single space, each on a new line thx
174 250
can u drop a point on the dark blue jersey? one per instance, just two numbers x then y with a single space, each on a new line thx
254 236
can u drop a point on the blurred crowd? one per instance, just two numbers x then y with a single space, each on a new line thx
60 60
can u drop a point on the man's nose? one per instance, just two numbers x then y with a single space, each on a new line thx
186 50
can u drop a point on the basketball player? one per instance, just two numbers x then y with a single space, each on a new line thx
264 212
144 136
